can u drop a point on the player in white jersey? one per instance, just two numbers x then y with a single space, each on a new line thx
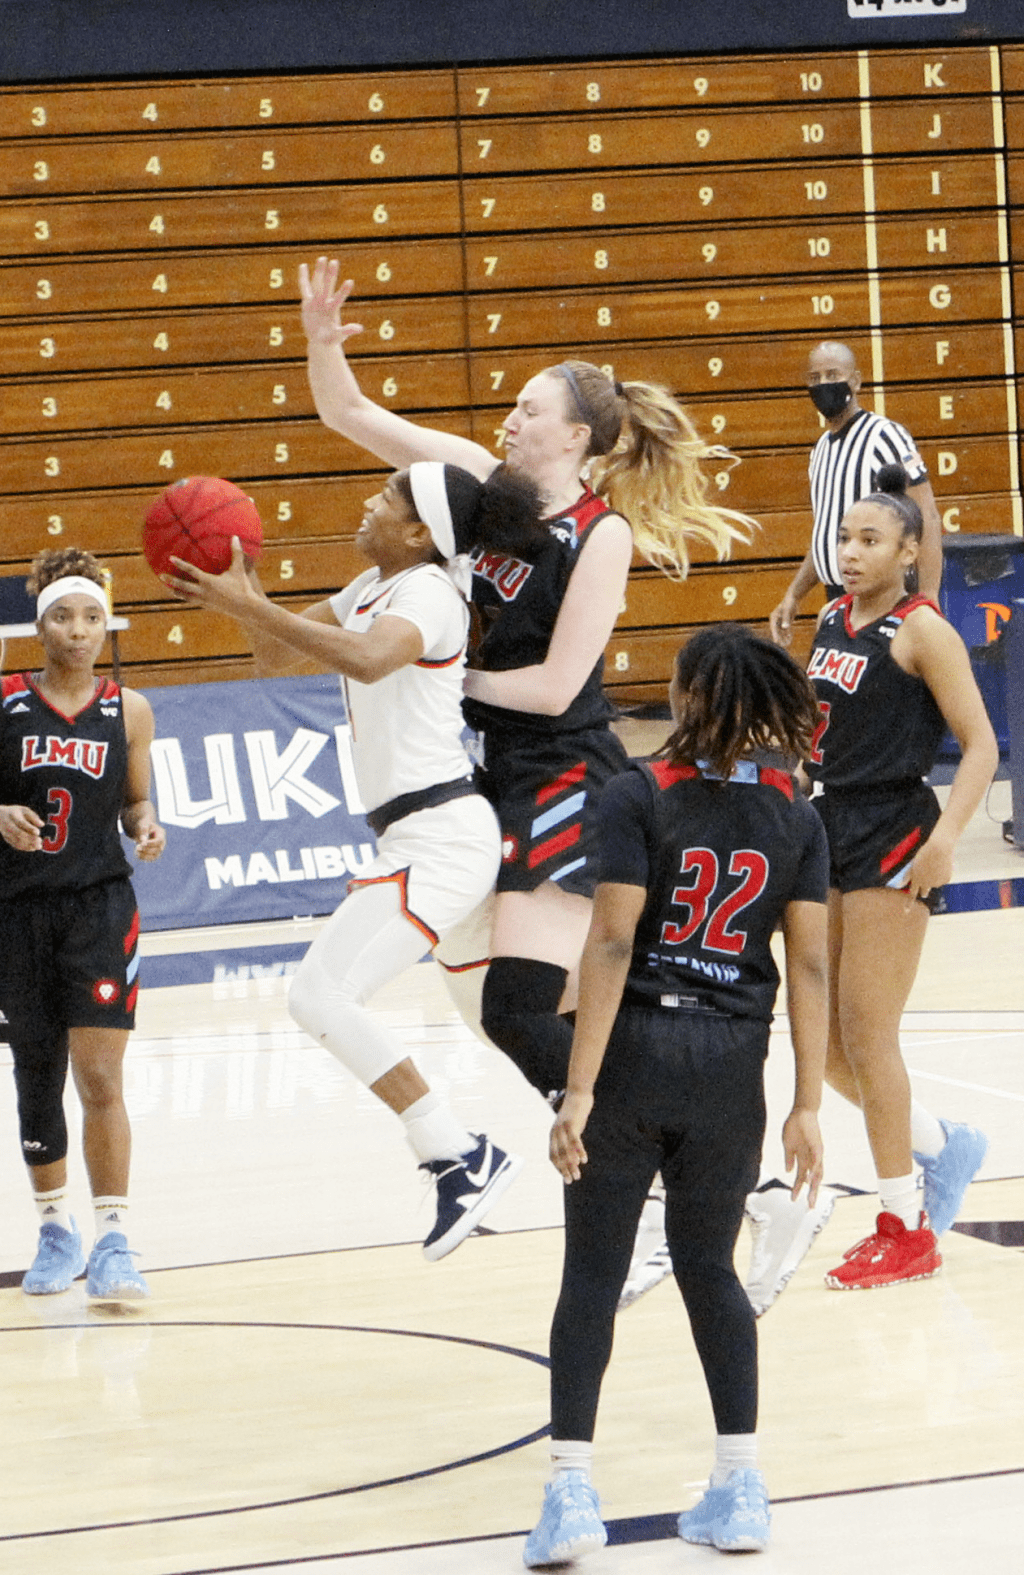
397 635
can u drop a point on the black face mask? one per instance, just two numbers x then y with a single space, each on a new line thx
831 398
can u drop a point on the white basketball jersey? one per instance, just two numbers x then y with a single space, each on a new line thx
407 727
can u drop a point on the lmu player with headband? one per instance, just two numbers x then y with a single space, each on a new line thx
74 760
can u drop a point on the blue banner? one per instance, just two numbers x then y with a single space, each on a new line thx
254 785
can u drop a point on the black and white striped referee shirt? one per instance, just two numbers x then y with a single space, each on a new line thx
843 468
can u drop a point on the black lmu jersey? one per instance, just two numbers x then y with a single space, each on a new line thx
72 772
879 725
517 604
720 862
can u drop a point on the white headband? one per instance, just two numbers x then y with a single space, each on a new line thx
430 495
71 585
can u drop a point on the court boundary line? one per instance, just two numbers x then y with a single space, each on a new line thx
644 1528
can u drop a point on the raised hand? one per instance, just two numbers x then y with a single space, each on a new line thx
322 300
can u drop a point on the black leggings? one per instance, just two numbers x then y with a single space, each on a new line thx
682 1093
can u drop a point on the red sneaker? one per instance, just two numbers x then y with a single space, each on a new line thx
891 1256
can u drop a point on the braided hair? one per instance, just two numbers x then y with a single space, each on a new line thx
739 692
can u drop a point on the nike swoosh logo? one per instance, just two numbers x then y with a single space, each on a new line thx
476 1178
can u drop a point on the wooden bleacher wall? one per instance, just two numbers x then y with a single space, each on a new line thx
701 221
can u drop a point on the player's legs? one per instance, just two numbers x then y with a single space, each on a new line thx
537 941
97 1060
463 954
432 870
40 1072
97 1063
873 962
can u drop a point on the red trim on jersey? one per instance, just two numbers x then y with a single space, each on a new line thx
777 779
547 850
666 774
14 684
442 661
909 604
105 689
132 936
567 779
897 854
401 880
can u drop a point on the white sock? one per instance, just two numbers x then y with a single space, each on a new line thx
899 1195
53 1208
433 1131
926 1134
111 1214
733 1452
571 1454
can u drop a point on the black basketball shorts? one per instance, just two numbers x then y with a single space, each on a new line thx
69 959
874 836
545 792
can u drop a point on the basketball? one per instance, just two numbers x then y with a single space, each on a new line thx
195 519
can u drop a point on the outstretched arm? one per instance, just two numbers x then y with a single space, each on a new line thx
341 403
390 642
592 602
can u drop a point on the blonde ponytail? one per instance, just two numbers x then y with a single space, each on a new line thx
653 478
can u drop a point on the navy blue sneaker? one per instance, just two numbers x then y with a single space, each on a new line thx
59 1259
466 1188
570 1524
949 1174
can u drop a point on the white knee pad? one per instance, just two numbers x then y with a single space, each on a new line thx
367 942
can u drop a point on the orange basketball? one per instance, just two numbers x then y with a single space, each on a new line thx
195 519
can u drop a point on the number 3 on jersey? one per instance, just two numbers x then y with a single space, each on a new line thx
59 803
702 863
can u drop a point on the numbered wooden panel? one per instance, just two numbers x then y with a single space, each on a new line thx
317 216
251 393
292 510
824 188
160 107
177 163
241 452
835 306
182 279
494 220
222 335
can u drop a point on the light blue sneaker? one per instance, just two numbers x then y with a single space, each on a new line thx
112 1274
949 1174
59 1259
570 1524
734 1517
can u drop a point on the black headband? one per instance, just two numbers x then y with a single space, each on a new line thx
582 404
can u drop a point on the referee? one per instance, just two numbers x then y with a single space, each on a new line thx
845 462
